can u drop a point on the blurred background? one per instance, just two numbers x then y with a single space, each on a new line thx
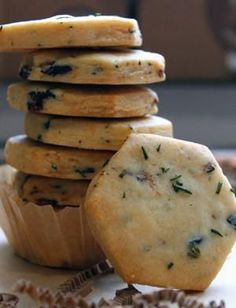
198 40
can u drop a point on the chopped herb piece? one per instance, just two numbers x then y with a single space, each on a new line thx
231 219
233 191
84 171
123 173
210 168
37 99
193 249
1 27
176 178
219 186
54 166
177 188
190 204
139 63
25 71
39 137
124 195
97 70
47 124
158 148
144 153
116 66
53 69
164 170
216 232
170 265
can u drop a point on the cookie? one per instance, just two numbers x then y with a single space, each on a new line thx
111 67
98 134
69 100
70 31
53 161
43 191
163 212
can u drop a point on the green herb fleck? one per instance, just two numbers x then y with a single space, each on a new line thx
1 27
139 63
178 187
124 195
219 187
116 66
216 232
39 137
231 219
47 124
158 148
170 265
176 178
144 153
164 170
210 168
54 167
190 204
193 249
123 173
84 171
233 191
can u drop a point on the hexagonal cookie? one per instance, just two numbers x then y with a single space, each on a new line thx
163 212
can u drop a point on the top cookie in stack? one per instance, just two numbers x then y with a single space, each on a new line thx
83 94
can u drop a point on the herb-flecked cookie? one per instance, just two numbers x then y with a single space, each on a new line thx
70 31
109 67
44 191
83 101
90 133
36 158
163 212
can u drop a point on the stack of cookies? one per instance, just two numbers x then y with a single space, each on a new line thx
82 97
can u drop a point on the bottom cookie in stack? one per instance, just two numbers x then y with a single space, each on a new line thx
44 220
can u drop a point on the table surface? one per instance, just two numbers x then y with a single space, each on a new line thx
13 268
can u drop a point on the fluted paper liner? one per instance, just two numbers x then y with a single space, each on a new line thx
45 235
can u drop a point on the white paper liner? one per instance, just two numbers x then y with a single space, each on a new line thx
45 235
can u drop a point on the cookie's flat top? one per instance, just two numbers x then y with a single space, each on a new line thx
98 66
69 31
163 212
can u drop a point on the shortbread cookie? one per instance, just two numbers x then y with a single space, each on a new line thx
70 31
111 67
163 212
98 134
83 101
43 191
53 161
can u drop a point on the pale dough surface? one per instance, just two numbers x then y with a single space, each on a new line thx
83 101
43 191
89 133
163 212
53 161
109 67
69 31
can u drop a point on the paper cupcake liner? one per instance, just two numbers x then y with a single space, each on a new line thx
45 235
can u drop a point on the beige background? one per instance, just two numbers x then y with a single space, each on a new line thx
179 30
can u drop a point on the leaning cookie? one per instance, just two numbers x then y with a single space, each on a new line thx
35 158
108 67
83 101
163 212
95 134
69 31
56 192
